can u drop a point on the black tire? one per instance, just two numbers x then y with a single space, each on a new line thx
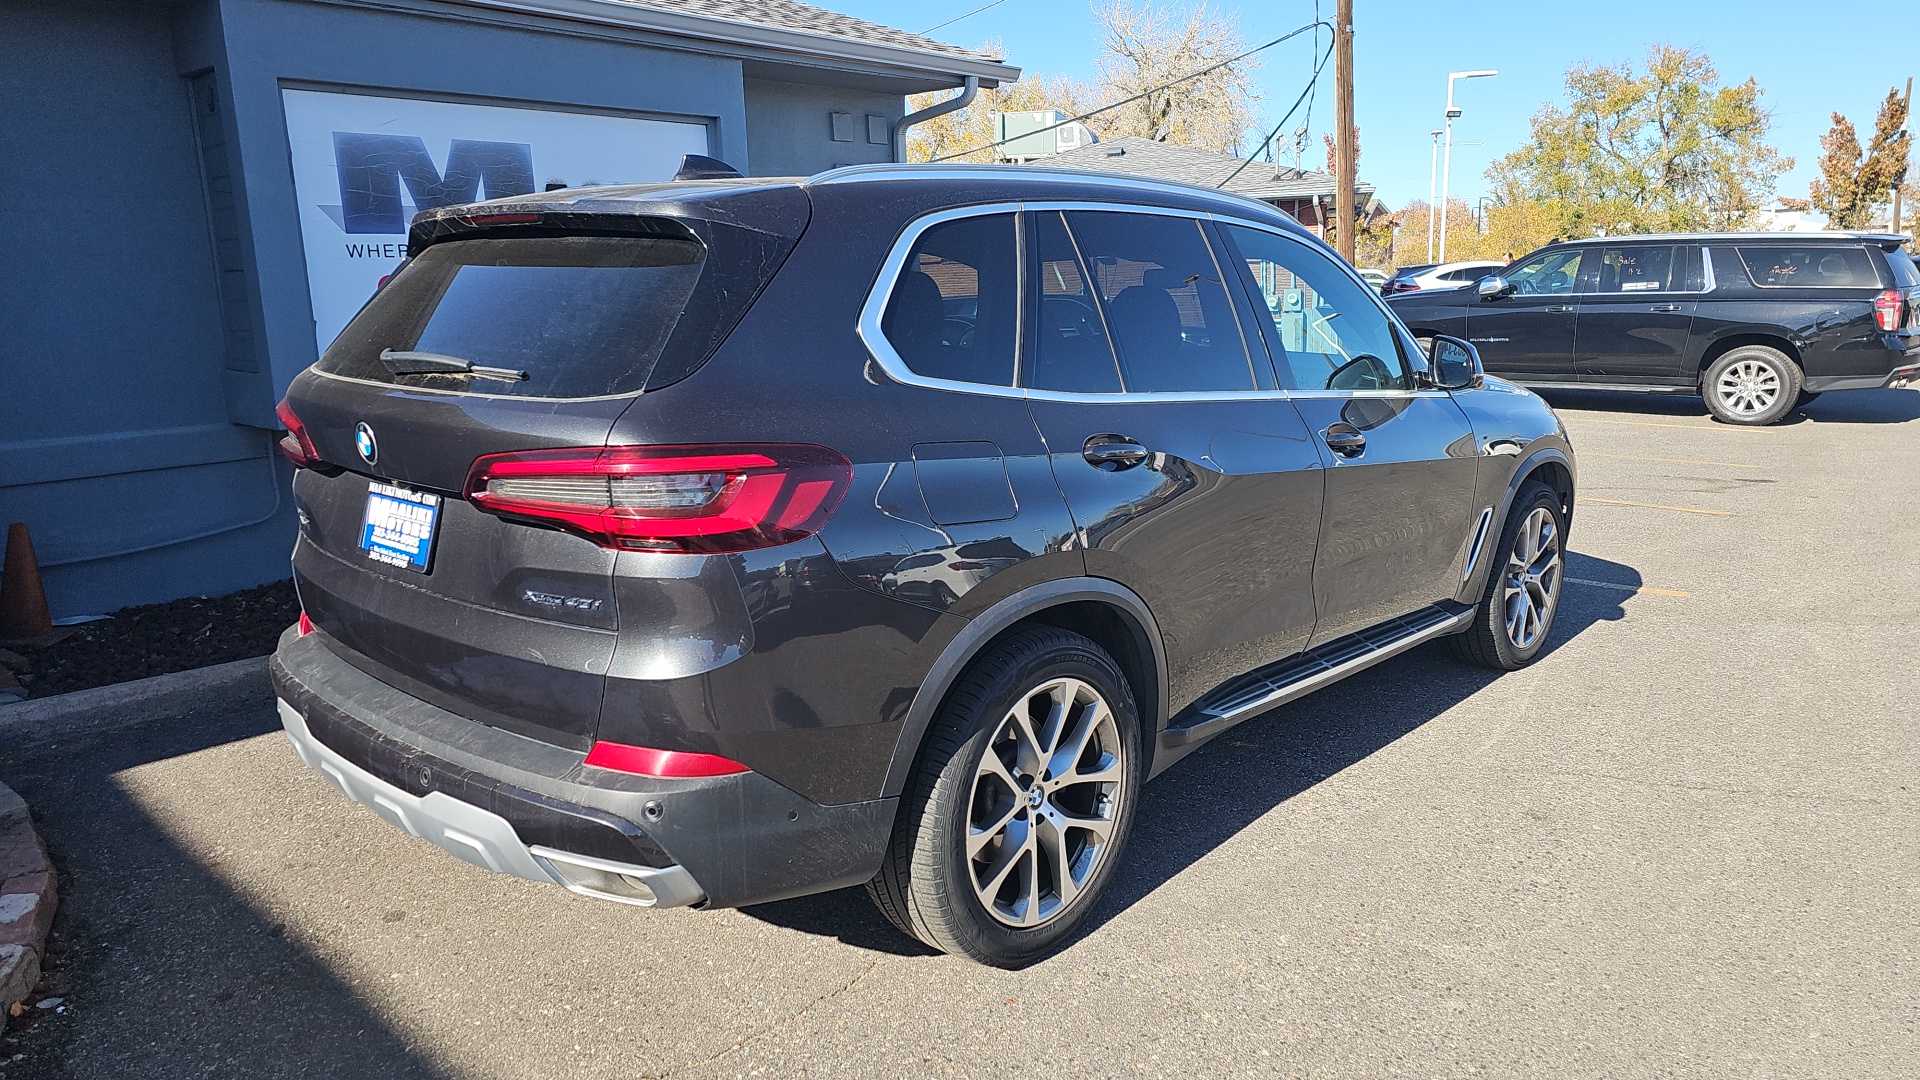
1488 640
1752 386
926 885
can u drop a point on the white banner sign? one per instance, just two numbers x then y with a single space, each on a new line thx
364 165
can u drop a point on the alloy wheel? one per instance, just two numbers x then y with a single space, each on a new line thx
1748 388
1045 803
1532 578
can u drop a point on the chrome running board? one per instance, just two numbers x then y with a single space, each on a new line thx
1302 674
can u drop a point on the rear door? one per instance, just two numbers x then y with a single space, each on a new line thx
497 620
1635 315
1528 334
1401 462
1190 476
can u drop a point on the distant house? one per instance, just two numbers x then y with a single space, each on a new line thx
1303 193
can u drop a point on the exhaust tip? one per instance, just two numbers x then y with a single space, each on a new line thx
642 886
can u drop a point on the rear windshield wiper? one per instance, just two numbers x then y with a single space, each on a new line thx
406 362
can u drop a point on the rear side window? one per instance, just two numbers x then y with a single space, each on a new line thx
955 305
581 316
1819 267
1165 303
1326 329
1905 274
1635 269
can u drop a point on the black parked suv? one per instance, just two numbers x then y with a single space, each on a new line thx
715 542
1756 323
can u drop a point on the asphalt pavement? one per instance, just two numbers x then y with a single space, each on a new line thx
1685 843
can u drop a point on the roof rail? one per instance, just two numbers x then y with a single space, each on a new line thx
854 174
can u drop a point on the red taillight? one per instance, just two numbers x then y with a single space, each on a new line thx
1888 307
668 498
296 443
676 764
306 625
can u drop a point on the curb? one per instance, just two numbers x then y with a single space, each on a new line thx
27 900
38 721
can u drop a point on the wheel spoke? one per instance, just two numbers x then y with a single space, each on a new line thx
1107 772
1053 846
992 766
996 874
980 838
1030 915
1066 756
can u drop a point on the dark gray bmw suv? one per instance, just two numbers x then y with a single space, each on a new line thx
720 541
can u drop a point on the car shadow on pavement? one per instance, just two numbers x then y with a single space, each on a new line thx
172 973
1208 798
1841 407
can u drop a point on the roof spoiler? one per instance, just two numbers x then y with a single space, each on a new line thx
702 167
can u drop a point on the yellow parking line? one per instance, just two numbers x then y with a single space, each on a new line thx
1648 423
1655 506
1626 588
1671 460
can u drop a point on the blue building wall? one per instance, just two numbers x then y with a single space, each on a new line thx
154 303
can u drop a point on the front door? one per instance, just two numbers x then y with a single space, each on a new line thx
1634 318
1189 475
1527 335
1401 462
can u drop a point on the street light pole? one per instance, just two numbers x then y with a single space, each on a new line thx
1433 184
1446 168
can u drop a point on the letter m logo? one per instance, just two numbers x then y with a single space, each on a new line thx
372 168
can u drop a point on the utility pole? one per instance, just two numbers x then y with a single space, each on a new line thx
1433 197
1896 187
1343 209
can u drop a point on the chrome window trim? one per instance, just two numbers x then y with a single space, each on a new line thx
895 367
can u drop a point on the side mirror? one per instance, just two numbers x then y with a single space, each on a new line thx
1493 287
1456 364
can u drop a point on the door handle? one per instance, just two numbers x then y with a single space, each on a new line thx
1665 307
1558 309
1112 453
1345 440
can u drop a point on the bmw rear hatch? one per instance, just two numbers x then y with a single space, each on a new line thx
514 326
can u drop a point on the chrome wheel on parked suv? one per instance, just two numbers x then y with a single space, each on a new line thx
1021 803
1532 586
1751 385
1046 796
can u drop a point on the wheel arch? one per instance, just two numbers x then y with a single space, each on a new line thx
1552 466
1105 611
1723 345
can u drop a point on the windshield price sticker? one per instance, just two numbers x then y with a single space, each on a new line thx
398 529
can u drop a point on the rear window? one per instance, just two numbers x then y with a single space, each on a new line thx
1905 274
580 316
1818 267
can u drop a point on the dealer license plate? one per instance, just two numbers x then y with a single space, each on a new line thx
399 526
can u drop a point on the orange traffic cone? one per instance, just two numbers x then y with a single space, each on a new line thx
23 601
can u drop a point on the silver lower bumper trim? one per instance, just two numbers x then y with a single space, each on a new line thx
481 837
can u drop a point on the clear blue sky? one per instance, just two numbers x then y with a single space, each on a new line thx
1403 51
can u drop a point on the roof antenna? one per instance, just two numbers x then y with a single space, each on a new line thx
702 167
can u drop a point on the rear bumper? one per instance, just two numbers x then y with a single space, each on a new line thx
1906 372
529 808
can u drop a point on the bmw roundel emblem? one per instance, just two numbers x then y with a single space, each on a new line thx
363 442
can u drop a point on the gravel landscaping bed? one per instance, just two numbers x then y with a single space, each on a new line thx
157 639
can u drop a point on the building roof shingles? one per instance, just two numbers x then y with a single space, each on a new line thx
807 19
1164 161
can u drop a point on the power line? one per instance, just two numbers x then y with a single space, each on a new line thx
1311 82
1144 93
957 18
